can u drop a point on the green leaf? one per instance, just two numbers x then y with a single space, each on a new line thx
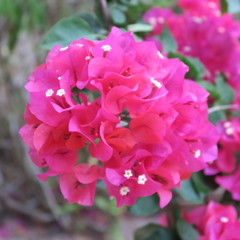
146 231
215 117
164 3
225 92
67 30
93 22
235 114
145 206
169 44
68 208
186 231
196 68
189 192
198 181
224 6
140 27
154 232
108 205
211 88
118 17
233 6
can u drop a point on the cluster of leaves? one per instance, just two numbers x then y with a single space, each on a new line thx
181 231
121 13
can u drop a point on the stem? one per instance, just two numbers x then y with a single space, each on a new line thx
105 12
223 107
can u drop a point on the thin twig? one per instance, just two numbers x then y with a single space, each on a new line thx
25 209
105 12
223 107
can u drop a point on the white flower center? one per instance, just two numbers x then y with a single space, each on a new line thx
221 30
49 93
59 78
87 58
79 45
142 179
128 173
152 21
106 48
187 49
227 124
229 131
124 191
60 92
63 49
156 83
160 55
224 219
197 20
161 20
197 153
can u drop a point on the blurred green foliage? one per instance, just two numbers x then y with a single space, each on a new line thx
22 15
145 206
155 232
186 231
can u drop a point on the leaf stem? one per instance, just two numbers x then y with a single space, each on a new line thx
223 107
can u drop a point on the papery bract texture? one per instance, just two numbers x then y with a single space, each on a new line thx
215 221
202 32
145 126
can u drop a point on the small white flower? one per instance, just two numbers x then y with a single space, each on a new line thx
63 49
60 92
106 48
197 20
229 131
156 83
197 153
152 21
142 179
160 55
161 20
221 30
124 191
224 219
128 173
49 93
187 49
227 124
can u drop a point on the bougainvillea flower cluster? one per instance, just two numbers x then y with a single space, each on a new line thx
215 221
202 32
201 8
145 126
229 144
226 163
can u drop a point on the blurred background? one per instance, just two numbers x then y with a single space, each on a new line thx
30 209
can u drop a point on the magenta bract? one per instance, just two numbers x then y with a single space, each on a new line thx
145 126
